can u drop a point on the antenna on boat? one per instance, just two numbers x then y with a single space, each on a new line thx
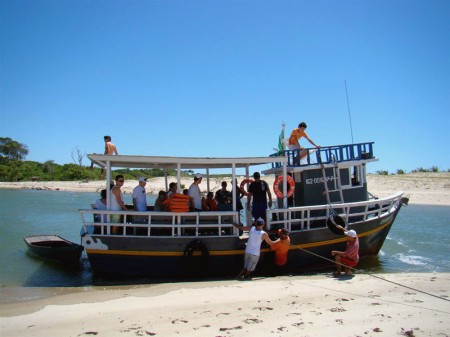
349 115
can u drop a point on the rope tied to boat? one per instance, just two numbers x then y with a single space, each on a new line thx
373 275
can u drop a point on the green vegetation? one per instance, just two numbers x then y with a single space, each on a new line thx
15 170
382 172
421 169
14 167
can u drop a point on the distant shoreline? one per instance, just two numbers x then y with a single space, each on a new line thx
422 188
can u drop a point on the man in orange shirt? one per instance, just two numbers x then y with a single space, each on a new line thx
296 134
281 248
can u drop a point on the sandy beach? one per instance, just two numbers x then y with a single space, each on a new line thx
422 188
314 305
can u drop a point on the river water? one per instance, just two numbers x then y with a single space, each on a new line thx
418 241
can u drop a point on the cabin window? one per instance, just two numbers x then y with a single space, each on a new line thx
350 176
345 177
356 176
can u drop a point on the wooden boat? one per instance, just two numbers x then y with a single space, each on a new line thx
55 248
327 183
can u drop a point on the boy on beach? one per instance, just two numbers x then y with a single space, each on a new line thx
253 249
350 257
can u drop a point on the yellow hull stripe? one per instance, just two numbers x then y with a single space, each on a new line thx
226 252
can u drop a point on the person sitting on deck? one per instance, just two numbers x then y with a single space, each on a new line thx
209 203
101 205
160 206
224 198
172 189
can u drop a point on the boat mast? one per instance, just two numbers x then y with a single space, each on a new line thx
349 115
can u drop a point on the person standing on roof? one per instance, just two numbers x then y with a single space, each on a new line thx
294 139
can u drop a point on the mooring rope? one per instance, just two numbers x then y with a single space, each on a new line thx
378 277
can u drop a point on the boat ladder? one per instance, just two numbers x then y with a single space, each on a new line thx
337 188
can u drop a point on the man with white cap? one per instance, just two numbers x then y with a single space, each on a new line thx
350 257
194 192
140 196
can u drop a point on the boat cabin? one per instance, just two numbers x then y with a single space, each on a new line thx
342 167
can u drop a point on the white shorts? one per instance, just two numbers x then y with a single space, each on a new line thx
294 147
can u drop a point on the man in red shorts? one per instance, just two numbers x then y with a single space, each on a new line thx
350 257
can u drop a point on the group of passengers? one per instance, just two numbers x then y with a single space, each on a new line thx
190 200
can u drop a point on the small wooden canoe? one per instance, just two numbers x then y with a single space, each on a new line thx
54 247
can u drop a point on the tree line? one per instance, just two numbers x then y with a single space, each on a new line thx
14 167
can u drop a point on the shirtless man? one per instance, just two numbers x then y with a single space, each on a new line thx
110 149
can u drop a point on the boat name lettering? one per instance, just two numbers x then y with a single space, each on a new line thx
318 180
382 222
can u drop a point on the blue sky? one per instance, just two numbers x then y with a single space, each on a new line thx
217 78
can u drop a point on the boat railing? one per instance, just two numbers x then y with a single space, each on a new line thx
134 223
310 217
326 155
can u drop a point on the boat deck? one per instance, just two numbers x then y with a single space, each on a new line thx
202 224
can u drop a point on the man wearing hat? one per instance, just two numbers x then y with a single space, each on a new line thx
140 196
253 249
194 192
350 257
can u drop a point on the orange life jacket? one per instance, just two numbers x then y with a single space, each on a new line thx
178 203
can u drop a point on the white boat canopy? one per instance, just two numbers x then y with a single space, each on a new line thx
131 161
182 163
